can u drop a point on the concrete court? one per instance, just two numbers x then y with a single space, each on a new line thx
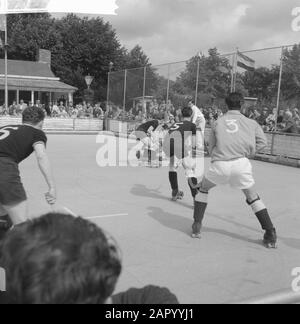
228 264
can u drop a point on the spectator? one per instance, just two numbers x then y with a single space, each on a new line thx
89 111
271 121
98 112
262 119
23 106
296 116
13 109
59 259
290 125
254 114
55 110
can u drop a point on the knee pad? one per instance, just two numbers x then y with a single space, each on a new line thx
257 205
202 197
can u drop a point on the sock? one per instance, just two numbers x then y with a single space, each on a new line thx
5 222
200 206
149 156
173 181
261 213
194 182
5 225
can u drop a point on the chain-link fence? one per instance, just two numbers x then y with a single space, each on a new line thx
268 78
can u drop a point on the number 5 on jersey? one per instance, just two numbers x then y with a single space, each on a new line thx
232 126
5 132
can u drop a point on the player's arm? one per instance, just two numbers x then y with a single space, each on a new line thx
212 141
45 167
261 139
201 123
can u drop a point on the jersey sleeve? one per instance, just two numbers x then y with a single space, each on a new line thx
261 139
212 139
39 137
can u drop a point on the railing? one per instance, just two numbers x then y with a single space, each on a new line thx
279 144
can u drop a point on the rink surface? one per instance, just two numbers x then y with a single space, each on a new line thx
228 264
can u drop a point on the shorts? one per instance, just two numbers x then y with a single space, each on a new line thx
12 191
238 173
193 167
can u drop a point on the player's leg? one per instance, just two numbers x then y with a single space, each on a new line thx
18 213
189 165
173 179
5 222
194 169
218 174
242 178
201 202
262 214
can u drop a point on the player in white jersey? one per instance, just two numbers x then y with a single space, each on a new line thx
198 118
234 138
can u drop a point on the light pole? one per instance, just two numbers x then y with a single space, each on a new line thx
197 77
110 67
89 80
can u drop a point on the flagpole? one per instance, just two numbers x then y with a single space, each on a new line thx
279 88
6 63
232 72
235 69
197 79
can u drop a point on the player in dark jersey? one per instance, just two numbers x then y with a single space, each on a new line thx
144 134
17 142
180 145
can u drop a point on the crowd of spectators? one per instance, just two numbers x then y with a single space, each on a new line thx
57 110
287 121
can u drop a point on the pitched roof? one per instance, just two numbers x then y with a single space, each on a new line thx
36 85
28 75
27 69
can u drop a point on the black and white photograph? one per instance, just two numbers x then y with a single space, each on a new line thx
149 155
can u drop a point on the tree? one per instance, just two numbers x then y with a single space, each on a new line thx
79 46
291 74
214 76
262 83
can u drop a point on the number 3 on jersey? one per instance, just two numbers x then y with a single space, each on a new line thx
232 126
5 132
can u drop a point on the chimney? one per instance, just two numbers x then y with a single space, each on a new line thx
44 56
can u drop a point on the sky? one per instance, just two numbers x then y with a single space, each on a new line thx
175 30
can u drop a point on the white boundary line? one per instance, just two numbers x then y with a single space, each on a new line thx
69 211
106 216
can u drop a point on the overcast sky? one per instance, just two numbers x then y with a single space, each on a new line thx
175 30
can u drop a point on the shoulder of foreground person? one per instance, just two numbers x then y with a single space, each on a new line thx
150 295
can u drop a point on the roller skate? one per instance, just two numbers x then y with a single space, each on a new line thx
196 230
270 239
177 195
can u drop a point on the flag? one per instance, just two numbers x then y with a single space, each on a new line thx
100 7
245 62
2 30
2 23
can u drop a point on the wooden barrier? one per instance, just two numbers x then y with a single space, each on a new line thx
60 124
